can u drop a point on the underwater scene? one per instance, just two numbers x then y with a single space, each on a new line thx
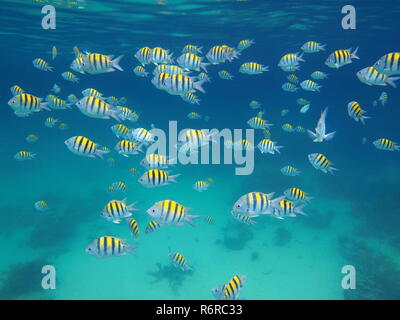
200 150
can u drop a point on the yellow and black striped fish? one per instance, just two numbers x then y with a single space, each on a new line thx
120 130
296 194
24 104
115 210
339 58
133 227
190 48
312 47
140 71
96 63
254 203
40 64
84 147
144 55
386 144
16 90
126 148
152 226
320 162
252 68
389 64
24 155
155 161
156 178
160 55
244 44
191 61
179 261
92 92
243 218
356 112
170 212
97 108
231 290
108 246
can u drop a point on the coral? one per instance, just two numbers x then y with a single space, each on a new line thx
173 275
377 275
282 237
236 235
22 279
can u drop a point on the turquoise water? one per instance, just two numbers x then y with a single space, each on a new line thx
353 216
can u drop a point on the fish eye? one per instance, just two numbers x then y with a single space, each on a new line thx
153 210
238 206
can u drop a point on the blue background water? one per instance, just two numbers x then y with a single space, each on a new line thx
353 218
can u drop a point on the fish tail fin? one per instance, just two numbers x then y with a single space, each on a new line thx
114 114
204 65
189 219
100 153
390 81
354 54
172 178
330 136
115 63
332 170
43 105
131 207
277 148
322 47
362 119
129 248
197 86
299 210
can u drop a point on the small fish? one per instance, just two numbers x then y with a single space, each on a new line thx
69 76
133 172
230 291
190 97
108 246
310 85
305 108
299 129
290 171
120 131
54 52
253 204
194 115
254 104
124 113
383 98
242 144
155 161
242 218
223 74
141 135
313 47
16 90
179 261
51 122
302 101
287 127
386 145
267 133
296 194
112 100
289 87
42 65
290 59
340 58
370 76
118 186
144 55
320 134
389 64
58 104
140 71
63 126
191 61
159 55
24 155
82 146
169 212
202 185
284 112
293 78
320 162
32 138
56 89
25 104
204 76
127 148
268 146
115 210
96 108
92 92
178 84
152 226
354 110
318 75
209 220
258 123
253 68
111 162
156 178
133 227
190 48
287 208
41 206
244 44
219 54
96 63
